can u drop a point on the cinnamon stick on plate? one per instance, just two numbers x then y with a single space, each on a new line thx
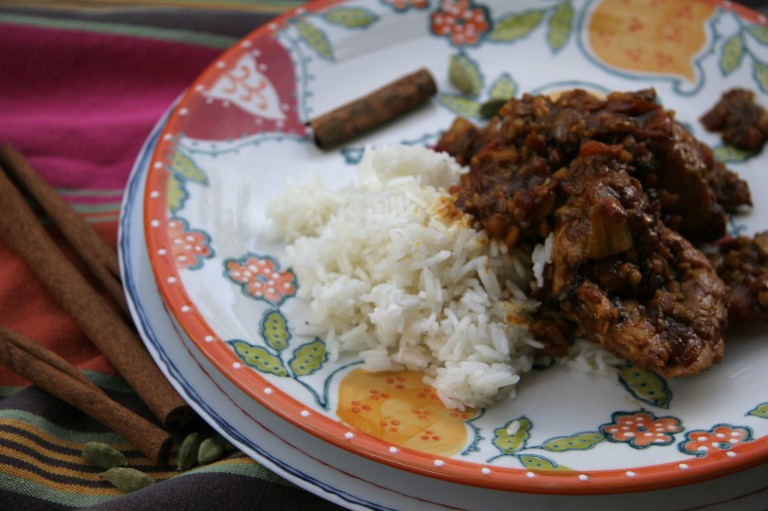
65 382
97 318
373 110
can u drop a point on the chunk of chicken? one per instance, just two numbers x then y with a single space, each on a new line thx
741 121
742 262
624 190
628 281
538 135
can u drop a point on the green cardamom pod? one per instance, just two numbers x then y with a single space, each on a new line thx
188 451
210 450
127 479
226 444
102 455
491 107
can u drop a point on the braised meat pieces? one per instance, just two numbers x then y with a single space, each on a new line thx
627 280
624 191
537 136
742 262
741 121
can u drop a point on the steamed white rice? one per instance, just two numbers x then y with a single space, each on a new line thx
392 278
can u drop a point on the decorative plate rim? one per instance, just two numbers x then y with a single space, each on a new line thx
160 334
195 325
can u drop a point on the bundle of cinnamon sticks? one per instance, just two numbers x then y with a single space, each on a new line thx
105 320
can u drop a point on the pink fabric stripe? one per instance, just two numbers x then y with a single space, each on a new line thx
83 130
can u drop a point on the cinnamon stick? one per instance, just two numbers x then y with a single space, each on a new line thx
100 322
45 355
100 257
151 440
373 110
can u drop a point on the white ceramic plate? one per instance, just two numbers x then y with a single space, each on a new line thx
335 474
238 134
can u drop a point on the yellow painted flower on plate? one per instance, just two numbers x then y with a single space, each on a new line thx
399 408
650 36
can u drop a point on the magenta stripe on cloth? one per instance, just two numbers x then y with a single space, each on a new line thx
82 130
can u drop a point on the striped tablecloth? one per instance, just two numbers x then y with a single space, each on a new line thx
81 85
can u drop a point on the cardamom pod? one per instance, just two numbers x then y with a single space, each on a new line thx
491 107
127 479
210 450
102 455
188 451
229 446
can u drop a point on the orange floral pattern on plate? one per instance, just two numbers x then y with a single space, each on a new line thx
399 408
650 36
717 442
642 429
189 246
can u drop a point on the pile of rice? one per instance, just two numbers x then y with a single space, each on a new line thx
392 277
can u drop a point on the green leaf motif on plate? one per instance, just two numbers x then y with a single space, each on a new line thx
578 442
646 386
351 17
177 193
504 87
460 105
315 38
185 168
515 26
730 154
464 74
760 71
759 32
733 54
308 358
534 462
560 25
258 358
274 330
760 411
512 437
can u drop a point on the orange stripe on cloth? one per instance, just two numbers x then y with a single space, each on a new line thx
49 470
34 438
28 476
